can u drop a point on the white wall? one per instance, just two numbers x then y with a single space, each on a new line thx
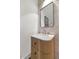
29 24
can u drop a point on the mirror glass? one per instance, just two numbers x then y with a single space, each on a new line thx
46 14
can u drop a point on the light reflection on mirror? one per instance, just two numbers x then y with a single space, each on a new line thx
46 2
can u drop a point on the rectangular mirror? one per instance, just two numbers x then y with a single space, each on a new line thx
46 14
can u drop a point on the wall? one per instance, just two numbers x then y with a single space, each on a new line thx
29 24
55 29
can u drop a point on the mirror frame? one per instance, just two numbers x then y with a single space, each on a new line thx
53 16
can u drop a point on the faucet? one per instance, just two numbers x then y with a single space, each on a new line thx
44 31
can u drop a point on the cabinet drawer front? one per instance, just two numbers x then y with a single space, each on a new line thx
35 43
35 53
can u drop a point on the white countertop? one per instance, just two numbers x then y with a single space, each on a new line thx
44 37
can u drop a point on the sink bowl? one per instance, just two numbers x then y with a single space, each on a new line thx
45 37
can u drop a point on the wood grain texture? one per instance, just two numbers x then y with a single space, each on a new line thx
42 49
35 49
47 50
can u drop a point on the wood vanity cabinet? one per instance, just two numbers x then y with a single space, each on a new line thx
42 49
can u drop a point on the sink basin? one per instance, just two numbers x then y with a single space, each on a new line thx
45 37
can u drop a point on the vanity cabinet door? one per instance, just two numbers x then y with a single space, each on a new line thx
47 49
35 54
35 49
35 43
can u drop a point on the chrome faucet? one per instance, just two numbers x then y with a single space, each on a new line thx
44 31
